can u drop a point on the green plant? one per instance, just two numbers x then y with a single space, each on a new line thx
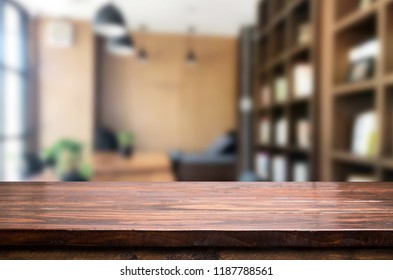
86 171
125 139
52 154
66 157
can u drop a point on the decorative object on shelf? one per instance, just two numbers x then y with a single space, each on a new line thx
304 34
281 132
365 138
361 70
59 34
365 4
264 131
303 80
280 89
362 61
123 46
262 166
66 157
143 55
125 143
300 171
303 134
279 171
109 22
191 57
265 96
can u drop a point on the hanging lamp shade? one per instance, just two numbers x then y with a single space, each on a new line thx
123 46
109 22
142 56
191 58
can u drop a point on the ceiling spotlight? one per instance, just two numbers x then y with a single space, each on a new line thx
123 46
109 22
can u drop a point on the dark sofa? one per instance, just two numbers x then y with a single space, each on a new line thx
217 164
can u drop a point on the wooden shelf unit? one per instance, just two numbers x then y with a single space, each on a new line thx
278 52
348 26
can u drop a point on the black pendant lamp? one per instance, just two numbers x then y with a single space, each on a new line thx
191 57
143 55
109 22
122 46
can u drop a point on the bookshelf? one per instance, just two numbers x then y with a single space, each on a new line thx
348 25
287 44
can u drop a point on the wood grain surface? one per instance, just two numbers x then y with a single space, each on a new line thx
197 214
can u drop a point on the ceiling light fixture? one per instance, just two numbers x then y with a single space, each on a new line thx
123 46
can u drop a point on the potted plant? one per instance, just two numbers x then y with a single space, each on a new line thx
66 157
125 143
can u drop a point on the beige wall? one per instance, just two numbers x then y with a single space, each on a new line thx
167 103
66 87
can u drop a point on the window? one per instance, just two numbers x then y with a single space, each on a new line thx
13 83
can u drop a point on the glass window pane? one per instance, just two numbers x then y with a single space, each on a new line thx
13 160
12 83
13 37
13 105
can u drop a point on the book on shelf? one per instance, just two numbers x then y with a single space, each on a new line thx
367 49
300 171
304 33
303 133
262 166
279 172
280 89
264 131
265 96
303 80
362 60
359 178
364 135
281 132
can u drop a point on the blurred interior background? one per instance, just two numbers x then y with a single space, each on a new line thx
196 90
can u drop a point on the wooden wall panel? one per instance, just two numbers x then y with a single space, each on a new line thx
167 103
66 87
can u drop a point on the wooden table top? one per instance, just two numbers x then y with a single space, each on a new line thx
197 214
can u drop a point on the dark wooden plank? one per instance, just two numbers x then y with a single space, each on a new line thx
197 214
